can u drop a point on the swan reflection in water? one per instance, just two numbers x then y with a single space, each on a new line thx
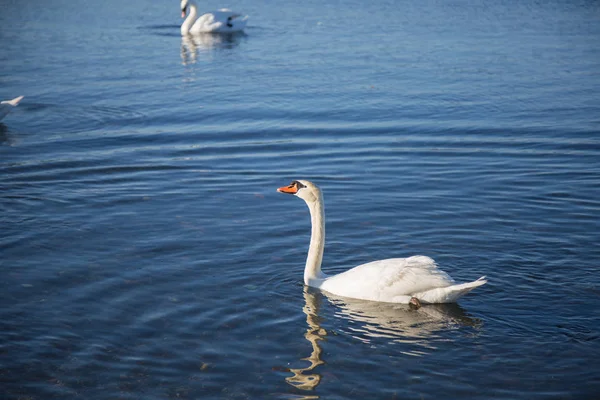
192 45
4 136
369 320
419 328
303 377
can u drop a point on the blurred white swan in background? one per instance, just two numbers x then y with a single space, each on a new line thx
7 106
221 21
412 280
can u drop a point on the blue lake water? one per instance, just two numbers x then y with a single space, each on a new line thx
145 253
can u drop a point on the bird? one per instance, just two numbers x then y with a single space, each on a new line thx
7 106
221 21
413 281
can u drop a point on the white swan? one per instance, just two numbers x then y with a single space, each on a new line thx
7 106
396 280
222 21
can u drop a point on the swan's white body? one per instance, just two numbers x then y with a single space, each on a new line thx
395 280
7 106
221 21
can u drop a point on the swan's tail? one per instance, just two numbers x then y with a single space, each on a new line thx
449 294
14 101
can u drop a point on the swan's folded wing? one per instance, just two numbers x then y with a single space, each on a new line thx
418 273
205 20
213 21
386 280
223 20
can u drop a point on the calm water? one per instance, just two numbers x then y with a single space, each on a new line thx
145 253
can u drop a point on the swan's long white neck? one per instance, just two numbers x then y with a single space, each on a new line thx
312 271
191 18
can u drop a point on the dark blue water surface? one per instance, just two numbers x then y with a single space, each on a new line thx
144 251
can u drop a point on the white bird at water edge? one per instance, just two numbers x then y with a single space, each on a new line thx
413 280
7 106
221 21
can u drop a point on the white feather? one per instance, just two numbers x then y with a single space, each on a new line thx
6 106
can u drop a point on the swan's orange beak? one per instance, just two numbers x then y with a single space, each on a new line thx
182 13
292 189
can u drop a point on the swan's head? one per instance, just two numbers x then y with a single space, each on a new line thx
306 190
184 7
